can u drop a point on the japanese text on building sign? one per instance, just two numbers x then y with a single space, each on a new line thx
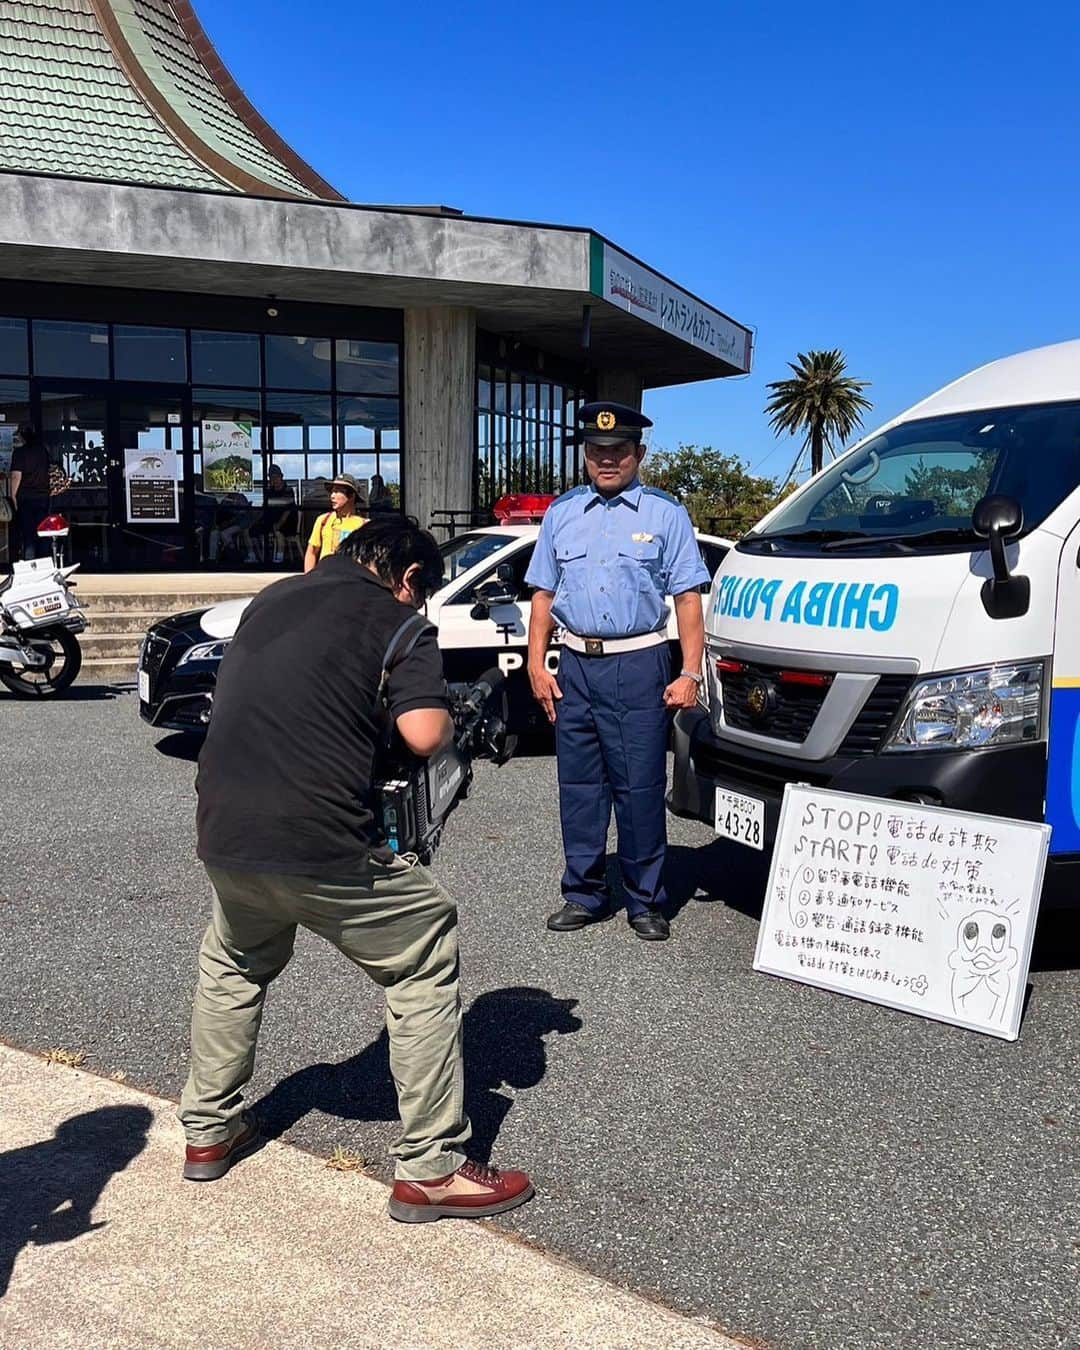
914 906
633 287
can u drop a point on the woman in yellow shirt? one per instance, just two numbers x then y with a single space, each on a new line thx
334 526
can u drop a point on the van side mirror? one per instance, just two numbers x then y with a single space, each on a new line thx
999 519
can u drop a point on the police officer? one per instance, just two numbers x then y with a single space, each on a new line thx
607 556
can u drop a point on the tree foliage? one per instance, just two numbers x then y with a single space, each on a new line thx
954 492
719 491
819 400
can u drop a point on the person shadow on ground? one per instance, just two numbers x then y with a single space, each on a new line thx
504 1032
48 1190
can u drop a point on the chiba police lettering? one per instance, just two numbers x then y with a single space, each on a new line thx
818 604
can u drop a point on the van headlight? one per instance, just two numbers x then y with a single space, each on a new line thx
204 651
994 705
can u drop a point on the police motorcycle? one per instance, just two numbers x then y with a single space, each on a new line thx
40 617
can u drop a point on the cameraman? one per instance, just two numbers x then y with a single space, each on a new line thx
288 837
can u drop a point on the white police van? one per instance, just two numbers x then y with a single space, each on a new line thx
481 612
907 624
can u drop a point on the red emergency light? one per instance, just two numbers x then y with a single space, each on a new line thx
522 508
53 527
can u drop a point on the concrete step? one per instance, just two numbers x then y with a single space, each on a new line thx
123 621
111 646
106 671
126 602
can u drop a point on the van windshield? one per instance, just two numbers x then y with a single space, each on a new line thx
914 487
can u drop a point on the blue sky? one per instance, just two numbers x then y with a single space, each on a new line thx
898 181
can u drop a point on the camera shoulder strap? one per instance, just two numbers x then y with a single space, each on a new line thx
393 655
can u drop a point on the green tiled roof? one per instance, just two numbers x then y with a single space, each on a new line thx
168 58
74 101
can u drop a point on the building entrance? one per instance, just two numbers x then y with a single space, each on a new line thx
126 452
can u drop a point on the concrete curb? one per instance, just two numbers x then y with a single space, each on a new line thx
115 1252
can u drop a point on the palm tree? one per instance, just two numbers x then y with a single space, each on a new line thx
820 400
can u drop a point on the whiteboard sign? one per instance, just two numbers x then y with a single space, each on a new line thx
919 908
152 492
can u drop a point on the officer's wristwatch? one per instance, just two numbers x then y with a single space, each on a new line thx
699 680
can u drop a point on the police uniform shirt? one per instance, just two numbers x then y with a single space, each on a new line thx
611 561
285 773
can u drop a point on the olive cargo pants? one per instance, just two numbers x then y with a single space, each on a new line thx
400 927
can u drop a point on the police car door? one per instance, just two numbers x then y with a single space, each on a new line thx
477 630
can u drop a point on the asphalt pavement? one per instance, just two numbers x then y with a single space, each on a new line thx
804 1169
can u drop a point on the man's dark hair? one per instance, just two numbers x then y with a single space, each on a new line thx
391 546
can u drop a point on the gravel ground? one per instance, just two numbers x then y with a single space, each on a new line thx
806 1169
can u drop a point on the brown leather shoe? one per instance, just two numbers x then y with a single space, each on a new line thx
213 1161
472 1192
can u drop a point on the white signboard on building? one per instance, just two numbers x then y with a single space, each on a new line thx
917 907
226 457
639 290
151 487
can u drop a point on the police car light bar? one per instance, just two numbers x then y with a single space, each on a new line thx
522 508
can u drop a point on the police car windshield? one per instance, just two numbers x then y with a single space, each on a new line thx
913 489
466 551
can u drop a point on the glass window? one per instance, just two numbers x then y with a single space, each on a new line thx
367 367
228 420
920 481
149 353
298 362
390 469
13 349
467 550
225 358
71 349
518 562
302 432
369 423
14 409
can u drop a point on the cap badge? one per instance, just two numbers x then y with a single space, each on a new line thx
605 420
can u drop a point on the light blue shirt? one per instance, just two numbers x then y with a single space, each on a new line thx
611 561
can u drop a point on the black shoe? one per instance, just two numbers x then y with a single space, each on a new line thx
572 917
651 926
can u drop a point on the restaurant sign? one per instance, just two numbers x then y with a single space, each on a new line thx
631 286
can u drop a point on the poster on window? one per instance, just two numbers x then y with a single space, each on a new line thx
151 487
226 457
7 449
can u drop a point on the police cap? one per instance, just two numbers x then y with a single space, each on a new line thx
607 423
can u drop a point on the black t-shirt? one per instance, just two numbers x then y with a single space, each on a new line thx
285 774
32 461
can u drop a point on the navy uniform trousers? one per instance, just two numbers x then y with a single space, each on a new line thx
611 737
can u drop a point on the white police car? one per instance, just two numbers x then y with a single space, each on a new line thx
481 612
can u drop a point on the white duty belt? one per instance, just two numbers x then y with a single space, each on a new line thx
612 646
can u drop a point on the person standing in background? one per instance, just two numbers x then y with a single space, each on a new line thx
29 488
335 525
380 498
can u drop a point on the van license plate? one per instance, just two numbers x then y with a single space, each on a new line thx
144 686
740 818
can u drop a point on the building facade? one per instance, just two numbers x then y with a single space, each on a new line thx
185 303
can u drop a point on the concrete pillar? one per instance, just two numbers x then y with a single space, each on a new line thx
440 410
621 386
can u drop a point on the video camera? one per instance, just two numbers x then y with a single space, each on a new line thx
414 796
